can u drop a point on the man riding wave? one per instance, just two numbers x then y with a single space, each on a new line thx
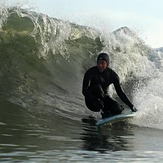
95 89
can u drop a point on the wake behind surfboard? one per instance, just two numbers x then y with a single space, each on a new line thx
115 118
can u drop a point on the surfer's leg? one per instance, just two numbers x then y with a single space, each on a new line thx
93 105
112 106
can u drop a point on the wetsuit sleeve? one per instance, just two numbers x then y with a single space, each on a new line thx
86 84
120 92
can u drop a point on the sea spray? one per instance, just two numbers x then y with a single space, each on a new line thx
148 95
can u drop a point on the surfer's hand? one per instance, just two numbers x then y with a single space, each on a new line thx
134 109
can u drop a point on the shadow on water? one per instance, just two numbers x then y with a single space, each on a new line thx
108 138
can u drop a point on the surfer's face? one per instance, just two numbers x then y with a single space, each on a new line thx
102 65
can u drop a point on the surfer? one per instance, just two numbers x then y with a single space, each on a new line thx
95 85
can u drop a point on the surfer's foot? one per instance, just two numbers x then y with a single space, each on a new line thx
106 115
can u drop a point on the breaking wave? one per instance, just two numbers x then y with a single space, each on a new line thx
43 60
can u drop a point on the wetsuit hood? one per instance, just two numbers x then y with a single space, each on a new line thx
103 56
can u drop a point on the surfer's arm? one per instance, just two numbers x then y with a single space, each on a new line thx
121 94
86 84
86 87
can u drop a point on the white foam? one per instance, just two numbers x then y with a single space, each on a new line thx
149 99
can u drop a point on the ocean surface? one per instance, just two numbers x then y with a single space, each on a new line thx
43 117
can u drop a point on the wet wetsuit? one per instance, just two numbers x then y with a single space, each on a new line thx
95 86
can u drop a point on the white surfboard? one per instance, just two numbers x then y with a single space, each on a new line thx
115 118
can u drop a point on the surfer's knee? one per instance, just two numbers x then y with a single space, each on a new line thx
91 106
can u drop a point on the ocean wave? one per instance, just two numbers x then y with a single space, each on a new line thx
37 50
43 61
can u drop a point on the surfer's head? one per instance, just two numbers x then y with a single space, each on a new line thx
103 56
102 61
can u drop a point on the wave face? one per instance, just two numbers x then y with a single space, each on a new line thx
43 61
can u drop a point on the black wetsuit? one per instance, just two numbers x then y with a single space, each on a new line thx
95 86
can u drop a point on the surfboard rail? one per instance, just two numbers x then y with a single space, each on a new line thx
115 118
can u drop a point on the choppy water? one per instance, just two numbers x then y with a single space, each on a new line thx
43 117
